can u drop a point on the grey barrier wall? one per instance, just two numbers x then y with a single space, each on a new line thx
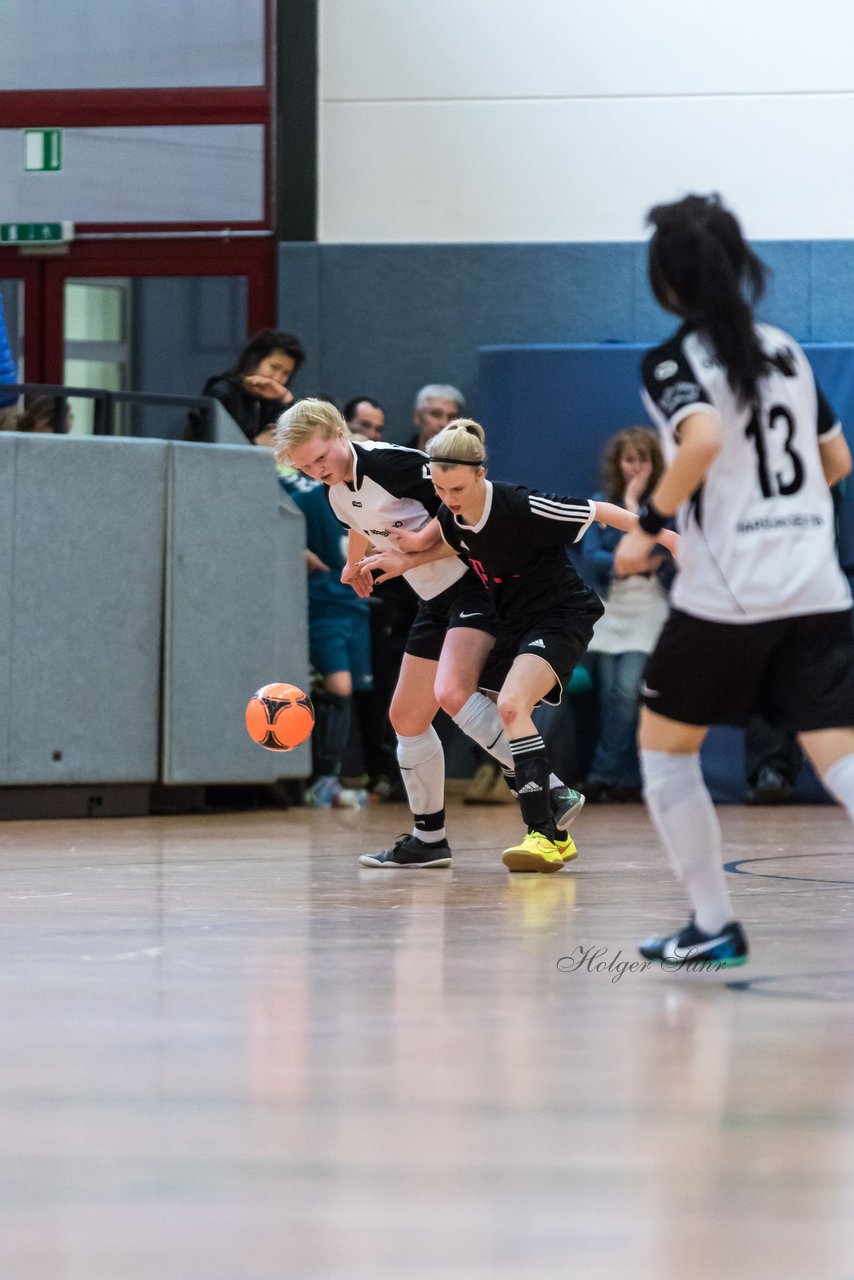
83 525
235 618
147 589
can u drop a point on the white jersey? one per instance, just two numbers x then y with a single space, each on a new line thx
758 535
391 489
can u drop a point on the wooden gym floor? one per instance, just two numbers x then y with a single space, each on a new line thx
229 1053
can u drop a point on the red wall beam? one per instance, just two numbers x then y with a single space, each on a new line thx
105 108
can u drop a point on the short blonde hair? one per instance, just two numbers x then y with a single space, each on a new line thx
462 441
305 420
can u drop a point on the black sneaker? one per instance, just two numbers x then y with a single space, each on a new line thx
566 804
771 788
691 947
409 851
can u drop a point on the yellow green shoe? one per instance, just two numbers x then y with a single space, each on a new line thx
534 853
566 847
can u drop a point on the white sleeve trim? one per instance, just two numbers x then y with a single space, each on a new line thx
587 522
557 510
700 406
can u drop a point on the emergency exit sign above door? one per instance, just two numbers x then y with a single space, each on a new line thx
42 150
25 233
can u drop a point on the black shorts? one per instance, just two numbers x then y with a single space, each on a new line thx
797 673
464 604
560 639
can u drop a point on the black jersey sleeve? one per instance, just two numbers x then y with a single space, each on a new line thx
450 530
402 472
827 423
670 388
553 521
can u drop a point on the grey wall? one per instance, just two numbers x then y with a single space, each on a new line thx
146 590
384 319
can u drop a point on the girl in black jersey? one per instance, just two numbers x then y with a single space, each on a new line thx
761 611
515 538
380 491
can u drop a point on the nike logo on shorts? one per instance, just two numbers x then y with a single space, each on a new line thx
471 615
647 692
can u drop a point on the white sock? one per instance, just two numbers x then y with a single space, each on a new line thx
422 768
479 719
839 780
681 808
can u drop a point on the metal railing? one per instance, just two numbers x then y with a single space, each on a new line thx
105 404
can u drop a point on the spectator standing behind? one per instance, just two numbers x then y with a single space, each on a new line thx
8 374
339 640
365 418
436 405
256 391
635 611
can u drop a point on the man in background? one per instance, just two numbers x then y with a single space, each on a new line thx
436 405
365 417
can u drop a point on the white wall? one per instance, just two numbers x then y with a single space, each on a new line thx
489 120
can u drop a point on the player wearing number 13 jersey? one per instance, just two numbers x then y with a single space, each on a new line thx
758 534
762 611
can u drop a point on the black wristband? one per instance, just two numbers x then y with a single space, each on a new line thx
650 519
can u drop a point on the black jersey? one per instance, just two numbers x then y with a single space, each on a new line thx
517 549
391 489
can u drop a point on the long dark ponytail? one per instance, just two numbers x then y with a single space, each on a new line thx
702 268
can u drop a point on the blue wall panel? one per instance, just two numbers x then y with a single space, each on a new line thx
384 319
392 317
833 291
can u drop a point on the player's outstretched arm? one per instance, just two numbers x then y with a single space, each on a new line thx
353 575
627 522
835 459
699 445
392 563
412 540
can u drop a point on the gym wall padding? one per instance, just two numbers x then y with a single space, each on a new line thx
147 588
81 575
235 617
551 408
382 319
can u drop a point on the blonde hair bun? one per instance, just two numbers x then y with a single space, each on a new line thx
462 440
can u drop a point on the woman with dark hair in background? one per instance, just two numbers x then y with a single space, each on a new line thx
256 390
635 611
761 617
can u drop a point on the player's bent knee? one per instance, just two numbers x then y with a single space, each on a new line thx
509 710
406 724
452 695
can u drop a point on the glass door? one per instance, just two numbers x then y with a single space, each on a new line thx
138 315
153 317
96 331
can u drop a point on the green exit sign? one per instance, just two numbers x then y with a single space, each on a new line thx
36 232
42 150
